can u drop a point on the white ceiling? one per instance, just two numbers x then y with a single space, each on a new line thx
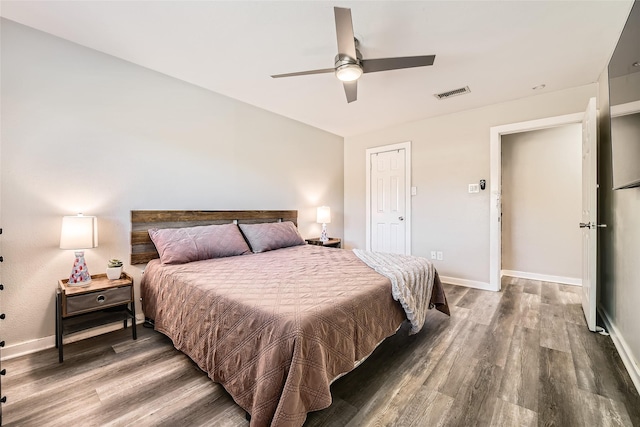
500 49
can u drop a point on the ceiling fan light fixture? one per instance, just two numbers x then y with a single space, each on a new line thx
348 72
349 64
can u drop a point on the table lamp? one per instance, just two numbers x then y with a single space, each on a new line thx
79 232
324 218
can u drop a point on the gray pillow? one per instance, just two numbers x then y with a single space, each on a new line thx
181 245
271 235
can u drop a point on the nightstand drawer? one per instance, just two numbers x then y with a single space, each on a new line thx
96 300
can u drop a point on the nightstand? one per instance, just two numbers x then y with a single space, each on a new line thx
103 301
331 243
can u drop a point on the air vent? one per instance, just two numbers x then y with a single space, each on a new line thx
455 92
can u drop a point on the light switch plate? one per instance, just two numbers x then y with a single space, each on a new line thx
414 191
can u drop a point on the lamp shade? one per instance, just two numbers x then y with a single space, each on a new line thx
79 232
324 215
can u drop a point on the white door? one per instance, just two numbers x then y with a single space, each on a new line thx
589 222
388 207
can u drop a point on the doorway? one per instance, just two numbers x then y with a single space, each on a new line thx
542 205
495 215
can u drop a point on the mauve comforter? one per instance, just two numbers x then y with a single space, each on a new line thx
275 328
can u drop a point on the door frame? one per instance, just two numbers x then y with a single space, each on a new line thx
407 193
495 156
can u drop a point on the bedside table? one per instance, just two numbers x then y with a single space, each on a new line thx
103 301
331 243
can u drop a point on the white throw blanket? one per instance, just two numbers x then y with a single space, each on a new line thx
411 281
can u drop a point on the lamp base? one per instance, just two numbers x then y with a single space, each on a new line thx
79 284
323 236
79 273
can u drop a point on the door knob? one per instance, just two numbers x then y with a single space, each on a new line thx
401 218
590 225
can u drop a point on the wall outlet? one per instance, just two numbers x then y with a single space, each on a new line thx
433 254
474 188
439 256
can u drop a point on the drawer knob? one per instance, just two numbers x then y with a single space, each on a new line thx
2 316
1 343
3 372
4 399
1 287
100 299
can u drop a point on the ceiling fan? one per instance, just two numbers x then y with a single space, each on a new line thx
349 65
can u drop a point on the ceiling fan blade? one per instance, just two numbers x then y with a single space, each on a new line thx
344 31
351 90
384 64
304 73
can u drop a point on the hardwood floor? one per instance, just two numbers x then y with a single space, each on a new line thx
523 357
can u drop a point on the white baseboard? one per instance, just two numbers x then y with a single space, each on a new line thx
623 349
574 281
28 347
33 346
468 283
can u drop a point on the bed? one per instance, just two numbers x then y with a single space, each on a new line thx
276 327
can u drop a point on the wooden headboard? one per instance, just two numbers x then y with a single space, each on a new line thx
143 249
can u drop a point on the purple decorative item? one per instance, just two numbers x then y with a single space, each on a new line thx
79 273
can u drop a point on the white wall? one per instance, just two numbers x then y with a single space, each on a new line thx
86 132
542 202
449 152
